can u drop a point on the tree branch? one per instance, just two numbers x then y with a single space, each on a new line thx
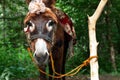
99 9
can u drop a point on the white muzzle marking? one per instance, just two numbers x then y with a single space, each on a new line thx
41 53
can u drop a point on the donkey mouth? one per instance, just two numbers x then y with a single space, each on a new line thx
41 60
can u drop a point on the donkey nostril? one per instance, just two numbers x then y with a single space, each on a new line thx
46 54
35 55
41 59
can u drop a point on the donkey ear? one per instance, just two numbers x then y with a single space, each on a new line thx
28 1
49 3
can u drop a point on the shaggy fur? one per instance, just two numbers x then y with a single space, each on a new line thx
48 3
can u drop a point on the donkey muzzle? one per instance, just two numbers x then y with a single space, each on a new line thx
41 53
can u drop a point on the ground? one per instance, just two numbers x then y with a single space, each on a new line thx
103 77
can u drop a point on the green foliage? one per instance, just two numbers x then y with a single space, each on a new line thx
80 55
78 11
15 61
5 74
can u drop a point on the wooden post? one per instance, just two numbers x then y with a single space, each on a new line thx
92 39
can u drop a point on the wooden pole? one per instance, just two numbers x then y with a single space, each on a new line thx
92 39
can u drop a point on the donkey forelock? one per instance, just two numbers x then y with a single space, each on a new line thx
47 13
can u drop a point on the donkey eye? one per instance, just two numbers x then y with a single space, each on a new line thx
29 23
50 25
30 27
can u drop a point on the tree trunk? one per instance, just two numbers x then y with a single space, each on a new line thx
112 53
93 51
118 42
111 48
92 38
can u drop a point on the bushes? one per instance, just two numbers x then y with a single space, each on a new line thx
17 62
80 55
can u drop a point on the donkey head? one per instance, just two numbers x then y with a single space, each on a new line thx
40 29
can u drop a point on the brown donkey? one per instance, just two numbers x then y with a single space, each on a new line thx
46 35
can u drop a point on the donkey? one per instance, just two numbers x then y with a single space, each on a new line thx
46 36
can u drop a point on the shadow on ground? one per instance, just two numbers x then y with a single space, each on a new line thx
82 77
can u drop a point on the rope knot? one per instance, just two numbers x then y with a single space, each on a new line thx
86 62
